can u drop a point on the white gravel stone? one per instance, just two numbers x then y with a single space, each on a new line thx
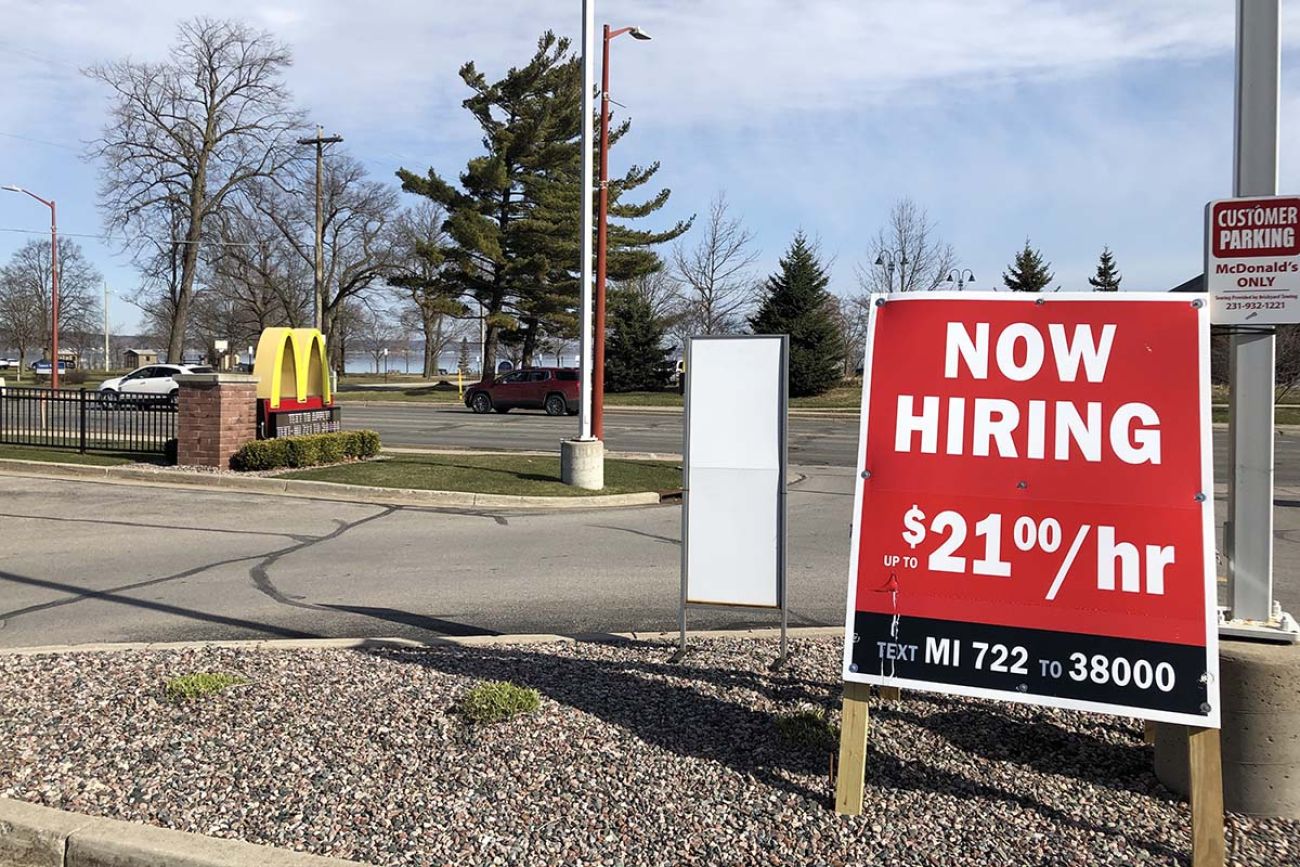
631 760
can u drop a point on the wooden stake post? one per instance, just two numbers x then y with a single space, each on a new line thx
851 778
1205 791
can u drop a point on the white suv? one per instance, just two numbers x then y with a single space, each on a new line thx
152 383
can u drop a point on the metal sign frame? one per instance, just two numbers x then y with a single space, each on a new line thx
782 481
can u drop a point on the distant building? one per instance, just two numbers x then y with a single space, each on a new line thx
133 358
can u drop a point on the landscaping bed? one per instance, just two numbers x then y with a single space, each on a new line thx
626 759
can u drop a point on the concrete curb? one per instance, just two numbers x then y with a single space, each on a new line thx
411 644
35 836
313 490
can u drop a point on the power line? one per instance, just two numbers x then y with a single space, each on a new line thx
178 241
40 141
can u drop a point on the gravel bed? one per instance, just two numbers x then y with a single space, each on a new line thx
629 761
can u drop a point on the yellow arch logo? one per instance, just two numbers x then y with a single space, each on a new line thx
291 365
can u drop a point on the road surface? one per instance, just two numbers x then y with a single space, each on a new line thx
89 562
826 441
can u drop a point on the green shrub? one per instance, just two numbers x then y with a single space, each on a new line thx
809 727
367 443
191 686
306 451
497 700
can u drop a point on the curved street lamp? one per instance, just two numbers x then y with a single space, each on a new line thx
602 233
889 260
54 281
963 276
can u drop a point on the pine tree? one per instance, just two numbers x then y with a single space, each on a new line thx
463 361
635 357
1108 276
1028 273
513 221
795 302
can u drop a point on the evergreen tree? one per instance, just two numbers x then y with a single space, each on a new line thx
795 302
513 222
1028 273
463 361
635 357
1108 276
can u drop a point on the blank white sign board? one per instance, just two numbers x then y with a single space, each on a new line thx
735 459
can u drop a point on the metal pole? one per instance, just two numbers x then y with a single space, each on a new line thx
318 290
106 366
54 300
1251 369
585 324
598 373
320 231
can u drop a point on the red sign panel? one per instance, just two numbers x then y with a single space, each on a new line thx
1034 511
1255 227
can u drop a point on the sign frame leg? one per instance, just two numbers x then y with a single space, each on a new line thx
851 778
1205 767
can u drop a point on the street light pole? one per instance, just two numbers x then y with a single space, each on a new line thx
54 281
889 259
602 234
961 279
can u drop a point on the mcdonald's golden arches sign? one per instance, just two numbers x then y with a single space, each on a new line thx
292 369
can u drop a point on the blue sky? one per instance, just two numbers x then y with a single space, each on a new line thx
1076 124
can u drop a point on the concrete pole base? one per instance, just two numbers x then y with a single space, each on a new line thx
1261 731
582 463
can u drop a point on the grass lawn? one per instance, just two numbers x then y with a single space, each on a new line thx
529 475
847 396
1282 414
417 394
71 456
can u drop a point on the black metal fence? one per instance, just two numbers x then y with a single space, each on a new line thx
78 419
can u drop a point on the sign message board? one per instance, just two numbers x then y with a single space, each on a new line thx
734 472
1252 260
1034 517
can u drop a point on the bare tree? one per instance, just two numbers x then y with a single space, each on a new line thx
358 239
664 295
186 135
419 279
907 255
26 301
717 284
378 332
854 315
266 280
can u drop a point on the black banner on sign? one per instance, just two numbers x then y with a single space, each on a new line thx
294 423
1037 662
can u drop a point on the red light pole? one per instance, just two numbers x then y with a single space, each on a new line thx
54 282
602 231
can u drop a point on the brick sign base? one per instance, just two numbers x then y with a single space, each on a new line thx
217 414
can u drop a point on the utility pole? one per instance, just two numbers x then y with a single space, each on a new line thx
106 362
319 289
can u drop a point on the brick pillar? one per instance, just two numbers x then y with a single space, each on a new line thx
216 414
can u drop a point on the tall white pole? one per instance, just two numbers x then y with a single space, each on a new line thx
1249 529
588 184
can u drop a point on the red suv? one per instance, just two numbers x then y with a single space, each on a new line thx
554 389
